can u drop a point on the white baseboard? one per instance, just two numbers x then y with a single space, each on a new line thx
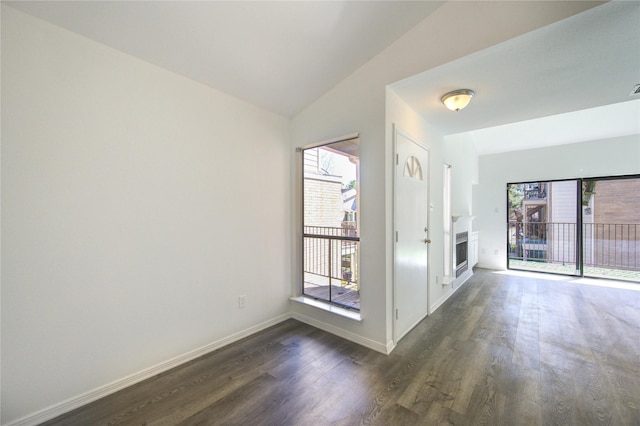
490 267
412 327
446 296
390 346
93 395
371 344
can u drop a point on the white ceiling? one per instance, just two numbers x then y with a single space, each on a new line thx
284 55
538 80
605 122
280 55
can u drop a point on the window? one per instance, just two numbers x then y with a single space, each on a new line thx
413 168
331 219
446 214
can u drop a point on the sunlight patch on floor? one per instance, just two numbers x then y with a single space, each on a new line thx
601 282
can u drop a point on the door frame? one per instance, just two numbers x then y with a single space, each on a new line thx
578 232
397 131
579 242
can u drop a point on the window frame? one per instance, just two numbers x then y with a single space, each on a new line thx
350 239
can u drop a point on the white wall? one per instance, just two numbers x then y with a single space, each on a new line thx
460 153
137 206
400 114
463 162
617 156
357 104
133 199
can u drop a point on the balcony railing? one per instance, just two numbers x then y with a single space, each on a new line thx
330 265
612 245
605 245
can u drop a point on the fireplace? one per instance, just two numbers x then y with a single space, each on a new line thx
462 250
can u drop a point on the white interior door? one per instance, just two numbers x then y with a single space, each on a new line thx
412 233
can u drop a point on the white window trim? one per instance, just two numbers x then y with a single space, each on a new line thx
328 307
447 221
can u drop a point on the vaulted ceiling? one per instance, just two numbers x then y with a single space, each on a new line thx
284 55
280 55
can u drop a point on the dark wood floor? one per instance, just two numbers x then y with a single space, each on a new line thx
504 350
341 295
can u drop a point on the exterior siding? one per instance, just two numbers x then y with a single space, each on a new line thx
614 237
562 229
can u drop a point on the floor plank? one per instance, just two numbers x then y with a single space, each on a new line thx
503 350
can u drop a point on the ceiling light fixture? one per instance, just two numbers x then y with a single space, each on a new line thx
457 99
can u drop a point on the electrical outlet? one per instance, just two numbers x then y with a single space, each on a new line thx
496 252
241 301
436 279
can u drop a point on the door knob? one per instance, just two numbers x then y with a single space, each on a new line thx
427 241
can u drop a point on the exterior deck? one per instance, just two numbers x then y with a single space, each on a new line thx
341 295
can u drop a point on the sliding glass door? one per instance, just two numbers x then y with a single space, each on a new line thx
611 222
542 227
579 227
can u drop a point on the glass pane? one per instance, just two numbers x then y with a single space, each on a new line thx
611 228
542 226
331 223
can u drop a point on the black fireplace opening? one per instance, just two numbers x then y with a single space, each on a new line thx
462 240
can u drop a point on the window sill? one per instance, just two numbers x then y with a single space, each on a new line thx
327 307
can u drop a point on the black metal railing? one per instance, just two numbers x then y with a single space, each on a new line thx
605 245
330 262
612 245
